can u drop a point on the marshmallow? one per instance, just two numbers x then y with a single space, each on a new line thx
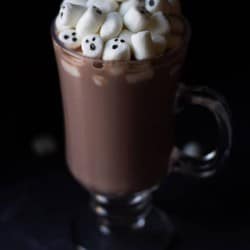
143 46
125 6
90 22
69 15
154 5
112 26
59 26
105 6
136 19
116 49
77 2
177 24
70 39
126 35
159 24
160 44
92 46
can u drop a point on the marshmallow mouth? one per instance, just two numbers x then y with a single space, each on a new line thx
120 30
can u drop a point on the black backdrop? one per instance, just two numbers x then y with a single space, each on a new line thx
31 104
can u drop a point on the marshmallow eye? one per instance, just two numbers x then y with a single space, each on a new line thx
97 10
70 39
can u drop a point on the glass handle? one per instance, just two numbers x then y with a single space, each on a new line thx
207 165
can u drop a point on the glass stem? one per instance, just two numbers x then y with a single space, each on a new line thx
122 213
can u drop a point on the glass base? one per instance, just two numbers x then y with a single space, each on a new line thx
156 233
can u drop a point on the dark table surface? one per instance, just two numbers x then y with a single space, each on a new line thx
37 212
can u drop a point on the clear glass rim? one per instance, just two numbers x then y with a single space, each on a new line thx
169 54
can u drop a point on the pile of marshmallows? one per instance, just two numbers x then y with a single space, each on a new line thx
120 29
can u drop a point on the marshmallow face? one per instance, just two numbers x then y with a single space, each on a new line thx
116 49
126 35
112 26
105 6
69 39
70 14
90 22
92 46
154 5
143 46
159 24
160 44
136 19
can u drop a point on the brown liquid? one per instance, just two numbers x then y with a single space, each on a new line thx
119 120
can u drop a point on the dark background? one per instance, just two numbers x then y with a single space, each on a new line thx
211 214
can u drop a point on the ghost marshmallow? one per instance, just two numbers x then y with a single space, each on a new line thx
69 39
69 15
112 26
105 6
90 22
126 35
143 46
116 49
136 19
154 5
160 44
159 24
92 46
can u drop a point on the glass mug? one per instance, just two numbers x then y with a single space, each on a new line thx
120 125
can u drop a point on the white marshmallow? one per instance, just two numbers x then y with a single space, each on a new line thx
77 2
69 15
105 6
112 26
70 39
92 46
136 19
125 6
160 44
116 49
154 5
143 46
159 24
59 26
126 35
90 22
